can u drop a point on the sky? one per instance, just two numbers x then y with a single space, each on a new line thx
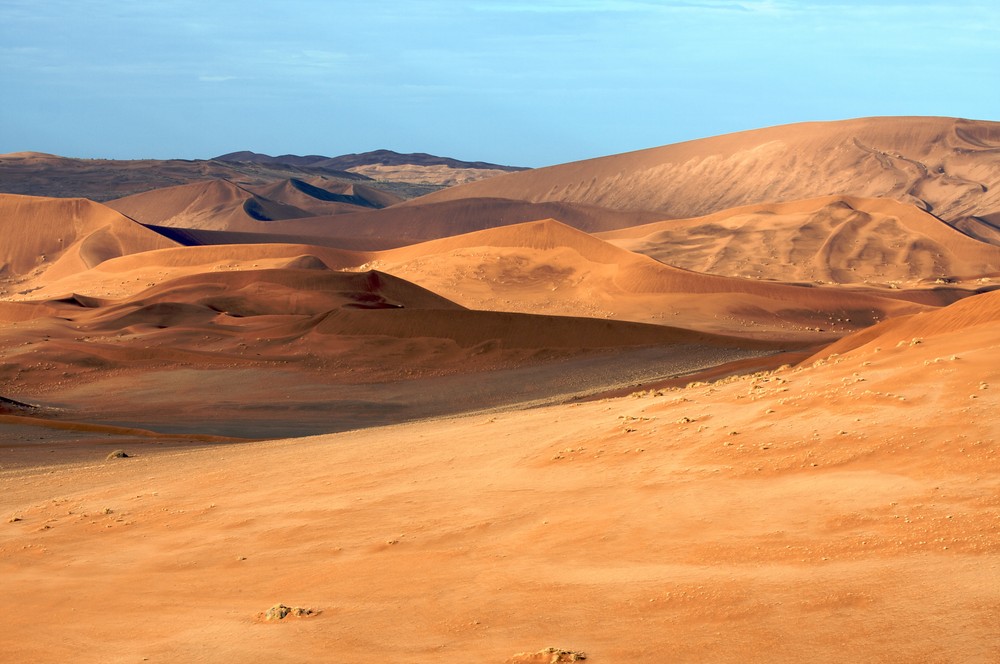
517 82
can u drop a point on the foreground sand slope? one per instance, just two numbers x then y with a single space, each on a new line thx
948 166
846 510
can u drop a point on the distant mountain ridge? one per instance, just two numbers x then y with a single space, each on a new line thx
356 160
398 176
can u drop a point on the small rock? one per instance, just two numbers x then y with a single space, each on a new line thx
548 656
280 612
117 454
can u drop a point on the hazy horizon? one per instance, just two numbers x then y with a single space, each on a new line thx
508 82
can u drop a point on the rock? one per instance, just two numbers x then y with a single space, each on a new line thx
548 656
280 612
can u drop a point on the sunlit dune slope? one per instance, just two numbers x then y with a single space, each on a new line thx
981 312
548 267
58 237
834 239
948 166
852 499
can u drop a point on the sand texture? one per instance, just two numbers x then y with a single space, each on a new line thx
726 401
942 165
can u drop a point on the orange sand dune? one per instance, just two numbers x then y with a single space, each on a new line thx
129 275
845 510
834 239
399 226
538 267
214 204
548 267
982 311
229 350
58 237
950 167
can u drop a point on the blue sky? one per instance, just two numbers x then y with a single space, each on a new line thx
507 81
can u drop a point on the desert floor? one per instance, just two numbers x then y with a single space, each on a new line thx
845 509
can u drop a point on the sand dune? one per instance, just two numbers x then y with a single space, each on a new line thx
539 267
375 229
58 237
321 196
834 239
426 174
129 275
227 353
548 267
215 204
949 167
813 500
980 313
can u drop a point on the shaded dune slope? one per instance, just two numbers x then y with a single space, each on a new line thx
325 197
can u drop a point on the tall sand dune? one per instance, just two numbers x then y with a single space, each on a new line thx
57 237
947 166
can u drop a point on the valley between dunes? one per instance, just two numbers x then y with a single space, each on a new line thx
514 428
